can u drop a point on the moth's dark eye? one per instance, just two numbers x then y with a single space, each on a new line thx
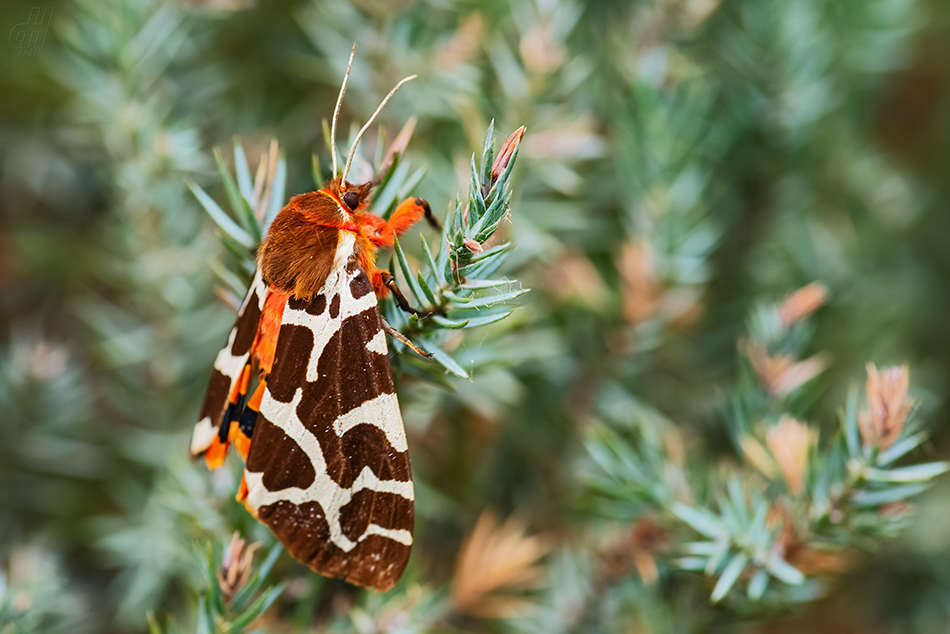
351 199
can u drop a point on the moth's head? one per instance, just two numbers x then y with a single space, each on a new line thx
350 198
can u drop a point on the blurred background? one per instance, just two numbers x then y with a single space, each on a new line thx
685 162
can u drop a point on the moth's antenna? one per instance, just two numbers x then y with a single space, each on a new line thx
336 111
349 159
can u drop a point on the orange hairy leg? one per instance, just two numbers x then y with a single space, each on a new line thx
409 212
382 280
374 232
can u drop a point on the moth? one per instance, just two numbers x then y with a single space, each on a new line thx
327 466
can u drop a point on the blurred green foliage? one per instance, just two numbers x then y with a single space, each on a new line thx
687 164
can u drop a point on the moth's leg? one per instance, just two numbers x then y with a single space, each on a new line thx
387 280
406 214
427 214
395 334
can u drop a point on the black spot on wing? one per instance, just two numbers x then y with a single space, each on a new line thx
360 286
297 303
318 305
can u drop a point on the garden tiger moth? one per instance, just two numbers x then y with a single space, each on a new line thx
327 464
